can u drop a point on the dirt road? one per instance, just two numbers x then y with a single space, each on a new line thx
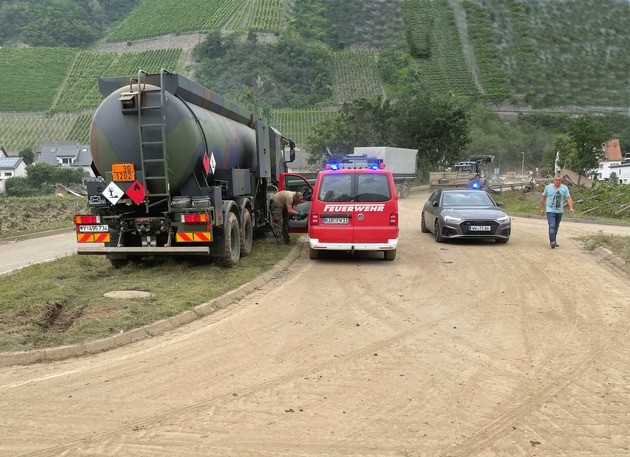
458 349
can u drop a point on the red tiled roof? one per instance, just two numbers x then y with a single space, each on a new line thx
612 150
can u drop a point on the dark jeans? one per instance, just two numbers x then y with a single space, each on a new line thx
553 219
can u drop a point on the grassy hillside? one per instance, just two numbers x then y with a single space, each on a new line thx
535 52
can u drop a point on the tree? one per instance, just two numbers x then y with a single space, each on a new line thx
41 178
563 147
588 135
19 186
27 155
364 122
437 127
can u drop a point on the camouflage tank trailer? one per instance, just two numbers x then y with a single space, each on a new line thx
180 171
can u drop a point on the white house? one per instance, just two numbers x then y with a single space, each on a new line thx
71 155
611 158
10 167
622 171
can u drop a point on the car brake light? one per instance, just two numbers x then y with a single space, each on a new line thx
195 218
314 220
393 219
87 220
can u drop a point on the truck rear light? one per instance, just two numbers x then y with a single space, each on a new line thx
393 219
87 220
195 218
314 218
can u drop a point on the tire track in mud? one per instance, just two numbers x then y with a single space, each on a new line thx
483 437
111 434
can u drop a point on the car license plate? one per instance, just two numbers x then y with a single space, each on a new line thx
336 220
93 228
479 228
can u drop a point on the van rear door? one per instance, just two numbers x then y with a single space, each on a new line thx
376 208
334 208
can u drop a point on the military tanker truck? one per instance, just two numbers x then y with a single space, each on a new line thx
180 171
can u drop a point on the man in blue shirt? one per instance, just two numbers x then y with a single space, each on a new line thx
552 203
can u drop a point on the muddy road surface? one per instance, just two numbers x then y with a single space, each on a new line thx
455 349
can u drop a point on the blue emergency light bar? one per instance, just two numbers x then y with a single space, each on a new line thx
355 162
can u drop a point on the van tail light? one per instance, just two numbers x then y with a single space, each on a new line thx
393 219
314 218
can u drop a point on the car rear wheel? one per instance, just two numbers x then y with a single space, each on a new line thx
313 254
438 232
390 255
423 225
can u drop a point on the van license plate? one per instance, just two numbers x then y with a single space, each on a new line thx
336 220
479 228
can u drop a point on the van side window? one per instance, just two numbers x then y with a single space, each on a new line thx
373 188
335 188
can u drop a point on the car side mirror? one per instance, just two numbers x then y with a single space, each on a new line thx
499 203
435 204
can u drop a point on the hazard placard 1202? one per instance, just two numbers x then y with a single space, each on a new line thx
123 172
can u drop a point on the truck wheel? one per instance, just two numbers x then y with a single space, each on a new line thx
247 233
390 255
232 242
405 190
399 190
313 254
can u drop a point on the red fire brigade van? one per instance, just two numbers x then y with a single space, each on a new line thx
353 207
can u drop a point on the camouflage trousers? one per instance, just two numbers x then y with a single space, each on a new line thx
279 222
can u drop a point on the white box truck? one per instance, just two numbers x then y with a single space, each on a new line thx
400 161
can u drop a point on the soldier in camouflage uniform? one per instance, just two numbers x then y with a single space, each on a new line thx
281 206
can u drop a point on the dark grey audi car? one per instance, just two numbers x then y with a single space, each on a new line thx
465 213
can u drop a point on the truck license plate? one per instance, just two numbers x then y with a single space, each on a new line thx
93 228
336 220
479 228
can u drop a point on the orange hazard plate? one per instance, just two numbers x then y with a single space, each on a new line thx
123 172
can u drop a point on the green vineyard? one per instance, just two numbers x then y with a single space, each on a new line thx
355 75
81 88
551 46
31 77
160 17
446 70
297 124
28 130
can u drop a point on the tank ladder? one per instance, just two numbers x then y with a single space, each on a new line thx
152 135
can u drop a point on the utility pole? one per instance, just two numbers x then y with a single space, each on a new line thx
523 164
